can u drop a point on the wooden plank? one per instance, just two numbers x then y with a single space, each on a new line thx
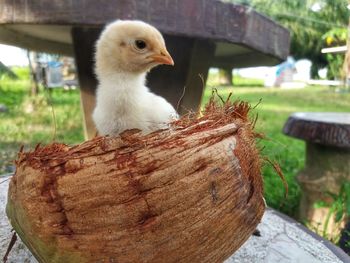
262 36
84 43
230 23
12 37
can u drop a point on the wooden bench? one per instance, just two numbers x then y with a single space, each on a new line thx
199 34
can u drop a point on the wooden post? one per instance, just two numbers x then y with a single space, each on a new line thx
84 43
197 73
33 65
225 76
187 78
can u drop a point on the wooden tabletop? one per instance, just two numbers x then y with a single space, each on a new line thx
242 36
327 128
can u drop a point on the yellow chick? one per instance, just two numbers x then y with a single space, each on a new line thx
125 52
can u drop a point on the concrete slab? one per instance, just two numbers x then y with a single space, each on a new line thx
283 240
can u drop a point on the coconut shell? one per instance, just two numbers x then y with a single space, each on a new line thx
190 193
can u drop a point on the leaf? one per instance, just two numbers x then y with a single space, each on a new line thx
338 215
347 203
321 204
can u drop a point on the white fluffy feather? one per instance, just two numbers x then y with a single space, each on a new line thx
123 100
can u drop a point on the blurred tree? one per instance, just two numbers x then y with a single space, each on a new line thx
308 21
335 37
5 71
225 76
33 64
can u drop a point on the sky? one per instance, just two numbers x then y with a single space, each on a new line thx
13 56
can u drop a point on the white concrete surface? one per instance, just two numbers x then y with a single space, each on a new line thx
282 242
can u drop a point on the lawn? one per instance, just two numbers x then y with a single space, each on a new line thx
273 111
29 121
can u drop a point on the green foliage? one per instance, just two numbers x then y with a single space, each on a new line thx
307 26
335 65
237 80
29 120
273 112
335 37
5 72
21 72
339 208
247 82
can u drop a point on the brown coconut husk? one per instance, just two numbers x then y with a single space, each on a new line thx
190 193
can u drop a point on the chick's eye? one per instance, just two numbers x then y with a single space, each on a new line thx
140 44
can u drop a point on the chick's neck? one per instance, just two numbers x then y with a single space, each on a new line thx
120 92
124 81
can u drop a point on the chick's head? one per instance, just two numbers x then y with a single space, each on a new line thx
130 46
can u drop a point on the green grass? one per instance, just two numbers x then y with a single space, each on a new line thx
273 111
238 81
30 121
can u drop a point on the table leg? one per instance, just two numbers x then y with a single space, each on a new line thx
84 45
326 169
188 77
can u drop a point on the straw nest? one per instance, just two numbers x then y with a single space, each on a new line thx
190 193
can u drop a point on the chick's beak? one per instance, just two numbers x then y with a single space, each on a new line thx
163 58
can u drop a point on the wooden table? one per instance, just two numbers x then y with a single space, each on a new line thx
199 34
327 166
